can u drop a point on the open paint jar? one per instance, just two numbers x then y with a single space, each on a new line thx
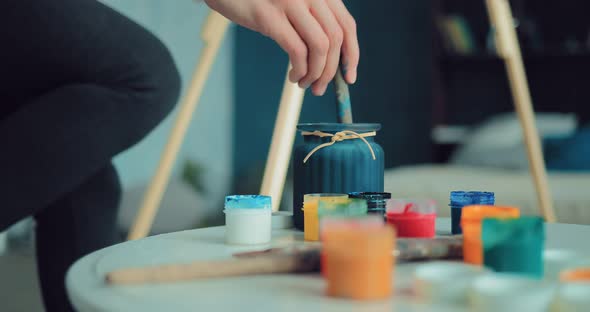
376 202
471 223
335 158
358 257
460 199
247 219
514 245
508 292
445 281
310 212
350 207
412 217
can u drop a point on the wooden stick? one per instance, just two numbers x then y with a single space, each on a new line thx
509 49
304 261
281 145
213 33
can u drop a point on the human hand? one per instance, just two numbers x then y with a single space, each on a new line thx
317 35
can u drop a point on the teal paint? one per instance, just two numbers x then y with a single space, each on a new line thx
514 245
248 202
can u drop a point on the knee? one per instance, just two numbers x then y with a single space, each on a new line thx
152 83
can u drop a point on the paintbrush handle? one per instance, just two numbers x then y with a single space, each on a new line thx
416 249
342 98
302 261
201 269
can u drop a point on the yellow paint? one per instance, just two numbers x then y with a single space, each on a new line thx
310 212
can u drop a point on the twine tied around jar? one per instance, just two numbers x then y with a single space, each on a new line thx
339 137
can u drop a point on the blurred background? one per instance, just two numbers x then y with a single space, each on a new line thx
429 74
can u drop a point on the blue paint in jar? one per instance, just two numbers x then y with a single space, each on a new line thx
248 202
460 199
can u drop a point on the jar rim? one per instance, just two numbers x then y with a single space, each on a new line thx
335 127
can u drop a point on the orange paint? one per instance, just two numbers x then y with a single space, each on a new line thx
310 212
575 275
359 258
471 217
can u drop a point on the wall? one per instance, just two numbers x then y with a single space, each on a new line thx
208 140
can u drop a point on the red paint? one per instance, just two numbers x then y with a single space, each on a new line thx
412 224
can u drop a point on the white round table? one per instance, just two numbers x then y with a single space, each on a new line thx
88 291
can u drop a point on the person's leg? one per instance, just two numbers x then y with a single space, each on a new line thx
80 83
80 222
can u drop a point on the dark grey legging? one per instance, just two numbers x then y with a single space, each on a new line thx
79 83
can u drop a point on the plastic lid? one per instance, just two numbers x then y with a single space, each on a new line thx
248 202
411 206
464 198
370 196
479 212
508 231
324 196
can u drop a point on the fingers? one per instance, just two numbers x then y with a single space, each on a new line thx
334 33
315 39
276 25
350 45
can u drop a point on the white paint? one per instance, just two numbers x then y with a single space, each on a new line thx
247 226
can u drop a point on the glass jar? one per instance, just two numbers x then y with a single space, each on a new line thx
342 164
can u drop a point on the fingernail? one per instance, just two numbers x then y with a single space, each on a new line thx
304 85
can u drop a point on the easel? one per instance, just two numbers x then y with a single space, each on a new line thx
290 107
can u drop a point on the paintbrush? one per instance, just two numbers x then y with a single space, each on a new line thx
342 97
277 261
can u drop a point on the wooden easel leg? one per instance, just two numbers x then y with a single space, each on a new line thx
508 47
213 33
281 145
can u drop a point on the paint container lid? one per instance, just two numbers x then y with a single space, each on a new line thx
363 234
371 197
575 275
509 292
248 202
512 231
351 207
411 207
476 213
465 198
572 297
445 281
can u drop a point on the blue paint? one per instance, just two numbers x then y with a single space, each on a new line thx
248 202
459 199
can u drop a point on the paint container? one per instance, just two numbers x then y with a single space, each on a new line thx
358 257
412 217
310 211
508 292
247 219
514 245
445 281
572 297
471 217
376 202
575 275
341 162
460 199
